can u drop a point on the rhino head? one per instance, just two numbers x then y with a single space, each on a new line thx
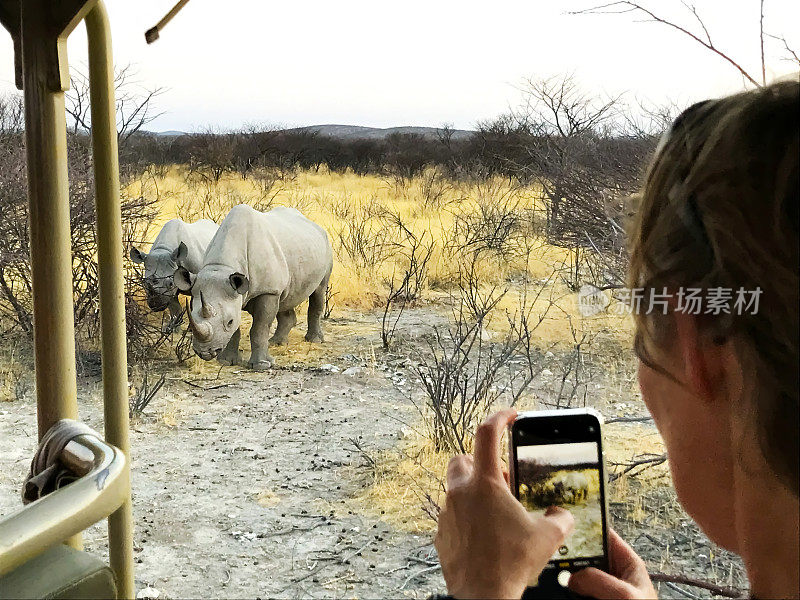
216 306
159 269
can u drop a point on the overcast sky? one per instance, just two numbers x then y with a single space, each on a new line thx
417 62
560 454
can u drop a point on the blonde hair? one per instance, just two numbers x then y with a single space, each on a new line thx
719 209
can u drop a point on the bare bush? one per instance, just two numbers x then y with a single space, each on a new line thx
499 224
145 392
211 154
587 155
434 188
572 371
15 269
327 311
698 31
367 240
466 371
416 255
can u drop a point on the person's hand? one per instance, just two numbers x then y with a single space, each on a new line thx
629 578
489 546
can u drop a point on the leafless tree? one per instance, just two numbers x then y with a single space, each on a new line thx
211 153
587 155
699 32
135 103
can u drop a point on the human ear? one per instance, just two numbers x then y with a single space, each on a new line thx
700 358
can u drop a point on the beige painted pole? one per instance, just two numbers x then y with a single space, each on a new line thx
112 292
48 199
48 214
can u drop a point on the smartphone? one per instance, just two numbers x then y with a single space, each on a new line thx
556 459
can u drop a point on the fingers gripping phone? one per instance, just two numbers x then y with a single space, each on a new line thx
556 459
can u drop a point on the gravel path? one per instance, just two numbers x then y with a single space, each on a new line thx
249 495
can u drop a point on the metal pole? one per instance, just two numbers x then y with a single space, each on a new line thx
48 214
51 251
112 292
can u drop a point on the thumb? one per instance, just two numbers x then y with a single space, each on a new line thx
595 583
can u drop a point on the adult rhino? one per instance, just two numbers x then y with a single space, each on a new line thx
177 240
264 263
575 486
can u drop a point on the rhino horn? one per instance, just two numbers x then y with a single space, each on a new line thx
200 330
205 310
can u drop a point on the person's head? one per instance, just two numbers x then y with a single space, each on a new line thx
719 213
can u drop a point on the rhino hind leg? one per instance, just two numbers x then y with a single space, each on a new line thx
286 320
264 310
316 306
231 355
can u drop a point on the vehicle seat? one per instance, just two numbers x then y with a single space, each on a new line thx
60 572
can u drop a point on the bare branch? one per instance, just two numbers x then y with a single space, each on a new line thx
793 56
716 590
626 6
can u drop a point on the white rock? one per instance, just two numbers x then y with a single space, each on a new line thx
330 368
547 372
148 593
549 354
405 432
353 371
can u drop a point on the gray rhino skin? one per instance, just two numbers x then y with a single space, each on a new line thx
161 262
576 487
266 264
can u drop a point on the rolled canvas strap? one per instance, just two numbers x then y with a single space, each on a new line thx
47 473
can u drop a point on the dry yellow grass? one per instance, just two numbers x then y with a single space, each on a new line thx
408 478
340 202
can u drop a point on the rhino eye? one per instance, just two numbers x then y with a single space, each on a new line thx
230 322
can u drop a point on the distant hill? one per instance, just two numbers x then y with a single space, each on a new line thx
356 132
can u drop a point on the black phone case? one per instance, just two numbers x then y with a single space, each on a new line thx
556 592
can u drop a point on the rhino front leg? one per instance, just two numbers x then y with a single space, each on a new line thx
231 355
264 309
316 305
286 320
175 316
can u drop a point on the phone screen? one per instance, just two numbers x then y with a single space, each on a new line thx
558 462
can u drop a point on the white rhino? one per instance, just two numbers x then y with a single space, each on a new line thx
576 486
264 263
177 237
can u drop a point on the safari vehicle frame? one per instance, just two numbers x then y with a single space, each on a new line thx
39 29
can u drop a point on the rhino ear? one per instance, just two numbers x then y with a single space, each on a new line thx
137 255
184 280
240 283
179 254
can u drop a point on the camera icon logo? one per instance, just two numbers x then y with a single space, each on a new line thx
592 300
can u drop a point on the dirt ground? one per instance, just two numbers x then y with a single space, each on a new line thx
244 484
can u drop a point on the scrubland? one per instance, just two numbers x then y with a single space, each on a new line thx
434 278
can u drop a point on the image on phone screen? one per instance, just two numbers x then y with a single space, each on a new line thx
566 475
